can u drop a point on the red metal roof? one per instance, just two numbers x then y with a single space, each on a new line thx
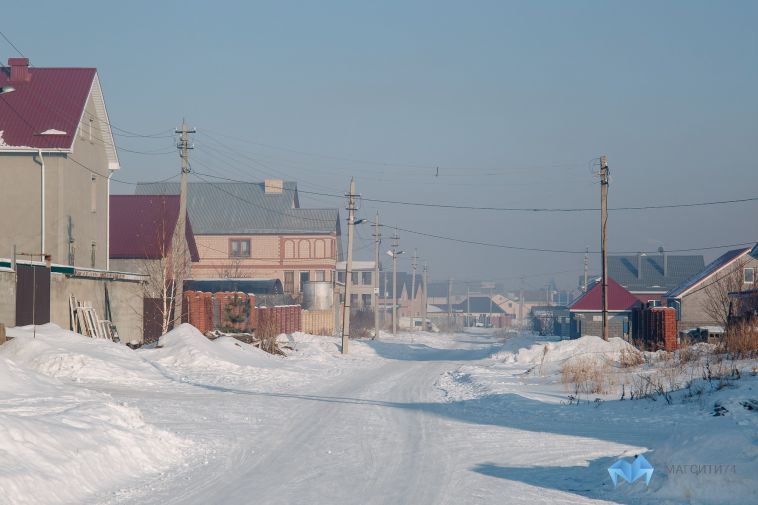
619 299
142 226
44 100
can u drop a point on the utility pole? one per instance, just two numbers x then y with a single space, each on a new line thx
395 252
426 295
521 304
348 266
449 295
586 268
413 290
603 236
180 232
467 322
377 243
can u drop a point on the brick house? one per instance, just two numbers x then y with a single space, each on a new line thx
258 231
586 313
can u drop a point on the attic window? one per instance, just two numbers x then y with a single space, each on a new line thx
53 131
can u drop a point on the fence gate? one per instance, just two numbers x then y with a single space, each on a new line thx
32 294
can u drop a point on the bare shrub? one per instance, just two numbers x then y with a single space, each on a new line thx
361 323
630 358
587 375
686 352
267 332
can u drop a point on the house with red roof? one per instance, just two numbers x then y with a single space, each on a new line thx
586 313
57 156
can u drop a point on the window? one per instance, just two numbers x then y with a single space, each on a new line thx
341 277
366 278
354 278
748 275
366 300
289 282
304 277
239 248
319 274
353 300
93 194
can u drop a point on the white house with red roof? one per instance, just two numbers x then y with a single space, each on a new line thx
586 312
56 155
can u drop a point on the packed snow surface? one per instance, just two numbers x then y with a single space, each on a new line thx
416 418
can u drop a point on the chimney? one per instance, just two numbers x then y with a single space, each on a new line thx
19 69
639 264
273 186
664 261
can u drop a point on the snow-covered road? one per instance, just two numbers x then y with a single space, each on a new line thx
412 419
379 432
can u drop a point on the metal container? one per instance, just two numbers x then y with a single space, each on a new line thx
318 295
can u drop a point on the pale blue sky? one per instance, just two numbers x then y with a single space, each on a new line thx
528 91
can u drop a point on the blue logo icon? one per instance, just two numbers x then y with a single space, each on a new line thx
630 472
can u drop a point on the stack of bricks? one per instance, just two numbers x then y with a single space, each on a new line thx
198 310
660 327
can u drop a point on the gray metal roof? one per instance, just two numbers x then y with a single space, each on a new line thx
245 208
624 270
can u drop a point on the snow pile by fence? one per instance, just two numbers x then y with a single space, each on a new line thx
559 352
61 443
60 353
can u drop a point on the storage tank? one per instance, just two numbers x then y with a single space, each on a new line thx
318 295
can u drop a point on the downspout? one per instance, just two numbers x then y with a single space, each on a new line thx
108 222
42 202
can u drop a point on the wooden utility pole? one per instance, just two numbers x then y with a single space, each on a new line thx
467 322
395 252
521 304
603 236
180 232
449 307
348 266
377 243
413 290
426 295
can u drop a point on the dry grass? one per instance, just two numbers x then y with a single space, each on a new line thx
267 332
741 340
630 358
587 375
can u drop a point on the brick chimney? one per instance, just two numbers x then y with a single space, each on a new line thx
273 186
19 69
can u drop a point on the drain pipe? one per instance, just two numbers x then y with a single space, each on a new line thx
42 201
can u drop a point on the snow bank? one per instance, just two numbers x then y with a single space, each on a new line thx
557 352
56 352
712 467
61 443
185 346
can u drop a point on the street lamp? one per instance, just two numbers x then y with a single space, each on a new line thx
6 89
